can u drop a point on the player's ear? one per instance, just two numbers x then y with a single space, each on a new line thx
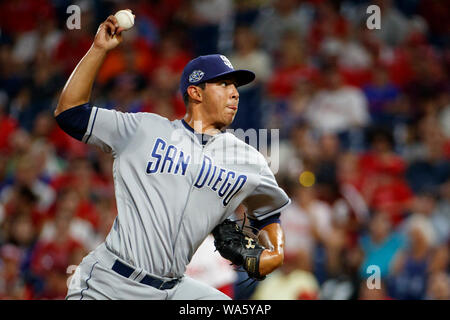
195 93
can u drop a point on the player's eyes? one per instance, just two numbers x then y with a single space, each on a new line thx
226 83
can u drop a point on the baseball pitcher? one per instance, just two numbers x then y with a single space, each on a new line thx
175 183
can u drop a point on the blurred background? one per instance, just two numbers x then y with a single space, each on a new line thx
364 119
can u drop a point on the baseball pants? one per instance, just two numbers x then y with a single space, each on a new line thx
95 279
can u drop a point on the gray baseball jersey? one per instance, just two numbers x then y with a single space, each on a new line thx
172 190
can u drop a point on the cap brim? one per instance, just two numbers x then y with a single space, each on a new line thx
242 77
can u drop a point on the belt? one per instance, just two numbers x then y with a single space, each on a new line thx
126 271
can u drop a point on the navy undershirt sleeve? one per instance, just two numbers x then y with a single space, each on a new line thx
265 222
74 121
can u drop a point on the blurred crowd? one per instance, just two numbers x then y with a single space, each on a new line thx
364 120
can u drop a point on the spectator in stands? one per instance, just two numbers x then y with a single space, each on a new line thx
12 75
205 20
382 95
438 287
282 16
379 245
308 225
348 170
12 286
248 55
425 203
291 67
26 175
299 151
43 150
395 25
342 281
21 108
68 206
18 226
349 177
157 14
18 238
293 109
288 283
329 150
82 178
383 186
44 37
431 168
74 43
170 59
412 266
328 24
53 255
339 109
29 11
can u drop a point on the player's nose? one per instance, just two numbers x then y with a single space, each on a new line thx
234 94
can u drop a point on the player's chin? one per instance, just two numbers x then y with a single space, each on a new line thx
228 118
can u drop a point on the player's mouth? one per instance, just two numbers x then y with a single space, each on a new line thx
233 107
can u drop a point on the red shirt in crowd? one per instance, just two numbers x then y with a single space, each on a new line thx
384 186
7 127
72 47
24 15
284 79
50 256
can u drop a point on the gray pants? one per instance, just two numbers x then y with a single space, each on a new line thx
95 280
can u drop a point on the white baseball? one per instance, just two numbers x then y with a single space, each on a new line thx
125 19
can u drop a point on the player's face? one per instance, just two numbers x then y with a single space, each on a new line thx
220 100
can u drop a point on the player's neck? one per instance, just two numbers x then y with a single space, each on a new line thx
201 125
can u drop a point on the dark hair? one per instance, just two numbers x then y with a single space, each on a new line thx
186 95
380 132
27 194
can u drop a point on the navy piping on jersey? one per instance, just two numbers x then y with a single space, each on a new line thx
92 127
259 224
89 278
274 217
268 214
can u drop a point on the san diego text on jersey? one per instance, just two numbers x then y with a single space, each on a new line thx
167 158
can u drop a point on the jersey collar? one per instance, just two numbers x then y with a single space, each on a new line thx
202 137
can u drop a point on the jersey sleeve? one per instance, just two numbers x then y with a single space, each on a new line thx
111 130
268 199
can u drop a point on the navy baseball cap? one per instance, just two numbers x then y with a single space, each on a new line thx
209 67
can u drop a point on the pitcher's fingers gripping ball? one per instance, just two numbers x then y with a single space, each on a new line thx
238 246
125 19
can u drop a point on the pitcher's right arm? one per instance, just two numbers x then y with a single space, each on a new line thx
77 90
110 130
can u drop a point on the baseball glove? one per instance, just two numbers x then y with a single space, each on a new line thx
238 246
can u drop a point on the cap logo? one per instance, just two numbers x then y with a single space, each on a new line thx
226 61
196 76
